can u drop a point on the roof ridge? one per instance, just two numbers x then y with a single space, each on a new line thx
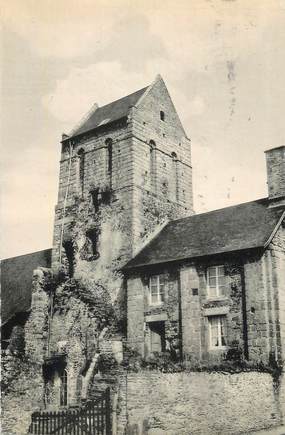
25 255
219 209
121 98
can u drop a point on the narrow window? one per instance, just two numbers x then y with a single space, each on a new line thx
93 237
63 388
95 199
152 169
81 156
106 197
175 175
69 252
217 332
157 286
109 145
162 115
100 197
216 281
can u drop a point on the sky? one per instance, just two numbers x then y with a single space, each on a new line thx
223 62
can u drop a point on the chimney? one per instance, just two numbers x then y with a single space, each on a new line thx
275 162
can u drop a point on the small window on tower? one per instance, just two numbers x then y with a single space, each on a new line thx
162 115
109 144
152 169
81 169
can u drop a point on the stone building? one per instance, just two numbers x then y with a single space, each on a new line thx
133 269
211 286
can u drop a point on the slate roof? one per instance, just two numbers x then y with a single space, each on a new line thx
110 112
16 281
243 226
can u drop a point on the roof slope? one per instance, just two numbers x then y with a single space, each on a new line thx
16 281
242 226
110 112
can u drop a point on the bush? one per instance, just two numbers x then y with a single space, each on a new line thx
106 363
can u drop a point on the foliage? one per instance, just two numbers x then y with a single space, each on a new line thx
92 294
106 363
164 363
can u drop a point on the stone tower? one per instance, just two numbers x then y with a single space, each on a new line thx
124 171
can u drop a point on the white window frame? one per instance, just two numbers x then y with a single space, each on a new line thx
219 288
157 279
221 324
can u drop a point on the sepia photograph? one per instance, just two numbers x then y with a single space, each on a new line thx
143 217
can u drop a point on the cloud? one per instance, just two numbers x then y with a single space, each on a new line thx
27 201
103 82
194 31
61 29
218 185
69 30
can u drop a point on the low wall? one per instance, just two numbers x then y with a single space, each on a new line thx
25 395
155 403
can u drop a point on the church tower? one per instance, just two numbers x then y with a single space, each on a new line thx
124 171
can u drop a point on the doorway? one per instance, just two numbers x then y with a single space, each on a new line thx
157 336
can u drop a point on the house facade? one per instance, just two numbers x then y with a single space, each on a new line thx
211 286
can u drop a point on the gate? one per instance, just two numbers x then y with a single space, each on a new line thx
93 419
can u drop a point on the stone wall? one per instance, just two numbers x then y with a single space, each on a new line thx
277 249
80 207
198 403
23 396
264 283
198 307
36 327
169 195
252 305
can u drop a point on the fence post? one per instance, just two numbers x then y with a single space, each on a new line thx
108 413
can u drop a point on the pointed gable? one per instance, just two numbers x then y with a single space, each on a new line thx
157 103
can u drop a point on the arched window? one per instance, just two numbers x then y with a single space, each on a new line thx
69 252
81 165
175 174
92 235
152 169
63 388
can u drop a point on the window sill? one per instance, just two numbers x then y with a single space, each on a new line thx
156 304
217 298
216 311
